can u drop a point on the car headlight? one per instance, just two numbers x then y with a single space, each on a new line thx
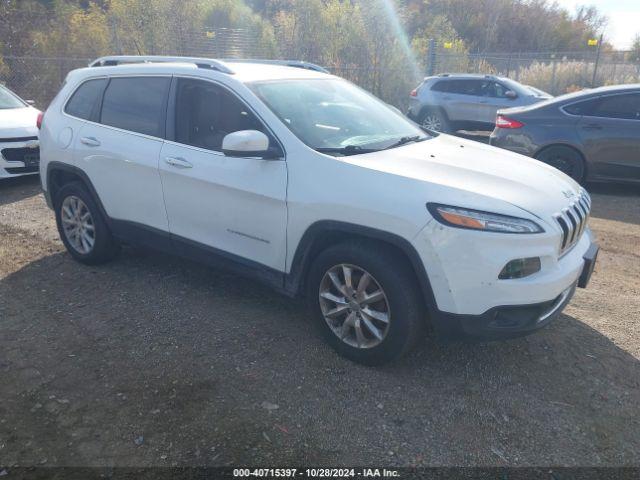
478 220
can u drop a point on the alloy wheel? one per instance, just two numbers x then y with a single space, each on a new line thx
77 224
432 122
354 306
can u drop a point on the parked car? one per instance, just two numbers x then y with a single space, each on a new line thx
19 152
447 102
589 135
306 182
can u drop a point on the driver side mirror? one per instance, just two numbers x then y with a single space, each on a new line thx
510 94
249 143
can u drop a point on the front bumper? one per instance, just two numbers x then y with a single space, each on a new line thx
513 320
19 157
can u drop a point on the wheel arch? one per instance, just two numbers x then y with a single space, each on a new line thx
426 108
60 174
570 146
326 233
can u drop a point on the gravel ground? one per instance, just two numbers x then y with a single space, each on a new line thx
152 360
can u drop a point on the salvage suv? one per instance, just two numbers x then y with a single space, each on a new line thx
287 174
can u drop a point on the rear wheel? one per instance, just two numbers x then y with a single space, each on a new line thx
434 120
366 301
565 159
82 227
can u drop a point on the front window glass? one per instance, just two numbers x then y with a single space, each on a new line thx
335 116
206 113
9 100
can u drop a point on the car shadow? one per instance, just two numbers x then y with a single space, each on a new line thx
118 363
18 188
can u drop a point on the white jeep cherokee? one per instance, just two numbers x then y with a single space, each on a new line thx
304 181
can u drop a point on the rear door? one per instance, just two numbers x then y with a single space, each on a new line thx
120 149
610 132
236 206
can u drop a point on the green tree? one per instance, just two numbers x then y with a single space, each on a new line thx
634 53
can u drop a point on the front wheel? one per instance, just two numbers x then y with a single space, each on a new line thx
366 301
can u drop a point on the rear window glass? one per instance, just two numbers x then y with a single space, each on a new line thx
84 99
440 86
465 87
136 104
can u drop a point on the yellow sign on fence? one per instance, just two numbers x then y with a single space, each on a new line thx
592 42
448 44
211 34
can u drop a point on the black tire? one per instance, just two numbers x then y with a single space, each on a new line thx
105 247
394 275
565 159
434 116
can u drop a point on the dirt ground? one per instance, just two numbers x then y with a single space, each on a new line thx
151 360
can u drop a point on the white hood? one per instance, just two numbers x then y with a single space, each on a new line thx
18 122
479 170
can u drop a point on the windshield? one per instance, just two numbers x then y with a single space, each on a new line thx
335 116
9 100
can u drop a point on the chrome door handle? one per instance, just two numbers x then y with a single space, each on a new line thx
178 162
90 141
592 126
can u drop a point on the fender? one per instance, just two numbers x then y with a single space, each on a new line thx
302 259
59 166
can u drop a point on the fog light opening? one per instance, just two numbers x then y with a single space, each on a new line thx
520 268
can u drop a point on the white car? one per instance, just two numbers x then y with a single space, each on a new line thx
306 182
19 152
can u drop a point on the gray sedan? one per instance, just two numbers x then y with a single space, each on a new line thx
589 135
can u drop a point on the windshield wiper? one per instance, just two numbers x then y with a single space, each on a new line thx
405 140
347 150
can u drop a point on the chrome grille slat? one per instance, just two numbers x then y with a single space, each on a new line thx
573 220
574 225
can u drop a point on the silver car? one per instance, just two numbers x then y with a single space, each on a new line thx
448 102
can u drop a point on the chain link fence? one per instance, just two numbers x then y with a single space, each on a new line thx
553 72
39 78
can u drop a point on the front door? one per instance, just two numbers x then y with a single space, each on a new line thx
236 206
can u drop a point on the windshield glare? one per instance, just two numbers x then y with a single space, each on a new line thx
334 114
9 100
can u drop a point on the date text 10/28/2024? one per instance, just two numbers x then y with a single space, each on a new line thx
315 473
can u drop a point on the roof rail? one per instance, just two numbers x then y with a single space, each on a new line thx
114 60
284 63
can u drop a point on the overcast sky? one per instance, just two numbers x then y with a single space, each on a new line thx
624 18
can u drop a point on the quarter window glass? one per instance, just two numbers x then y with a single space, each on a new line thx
206 113
581 108
136 104
84 99
625 107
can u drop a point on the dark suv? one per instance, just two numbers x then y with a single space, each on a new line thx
589 135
